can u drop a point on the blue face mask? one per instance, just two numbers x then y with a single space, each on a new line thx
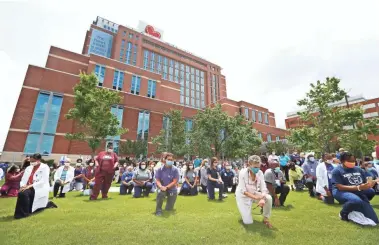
169 163
334 165
254 170
370 169
298 163
277 169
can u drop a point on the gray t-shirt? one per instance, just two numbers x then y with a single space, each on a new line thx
191 175
273 178
142 175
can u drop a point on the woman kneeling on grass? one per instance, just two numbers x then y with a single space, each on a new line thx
142 181
252 189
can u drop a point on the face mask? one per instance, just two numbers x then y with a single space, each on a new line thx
219 165
33 164
254 170
298 163
206 164
110 150
190 167
273 153
370 169
143 166
277 169
329 161
67 164
311 159
91 164
228 167
17 170
169 163
349 164
334 165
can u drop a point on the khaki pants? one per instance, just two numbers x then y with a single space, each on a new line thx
244 205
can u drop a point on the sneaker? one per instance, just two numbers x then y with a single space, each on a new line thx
224 195
343 216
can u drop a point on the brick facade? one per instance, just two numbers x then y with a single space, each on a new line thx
61 74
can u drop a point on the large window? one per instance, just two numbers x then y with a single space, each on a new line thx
128 53
266 118
44 123
152 62
151 89
159 64
143 125
135 55
145 59
277 138
122 49
118 80
165 68
166 127
118 111
253 115
268 137
136 84
189 125
259 116
247 113
171 70
176 71
100 74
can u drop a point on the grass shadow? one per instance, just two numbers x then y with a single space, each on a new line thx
98 200
8 218
259 227
375 206
284 208
166 214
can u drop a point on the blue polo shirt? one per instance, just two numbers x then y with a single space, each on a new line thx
127 176
166 175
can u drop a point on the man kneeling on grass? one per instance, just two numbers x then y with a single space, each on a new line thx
167 178
275 182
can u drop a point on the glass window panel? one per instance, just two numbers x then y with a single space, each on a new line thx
46 144
31 143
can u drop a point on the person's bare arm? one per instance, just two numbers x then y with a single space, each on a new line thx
354 188
173 183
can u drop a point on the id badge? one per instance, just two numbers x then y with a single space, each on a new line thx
171 194
277 182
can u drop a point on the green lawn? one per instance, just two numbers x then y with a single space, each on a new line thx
124 220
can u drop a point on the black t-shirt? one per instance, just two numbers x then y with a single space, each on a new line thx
213 173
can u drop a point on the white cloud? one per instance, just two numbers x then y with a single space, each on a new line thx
270 50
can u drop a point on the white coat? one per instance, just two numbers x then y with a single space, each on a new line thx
69 177
41 185
322 179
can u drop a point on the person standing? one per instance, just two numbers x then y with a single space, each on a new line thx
351 189
106 163
276 183
214 181
284 159
63 178
252 189
309 168
33 195
167 178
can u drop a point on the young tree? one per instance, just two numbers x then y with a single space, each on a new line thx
92 112
126 148
172 137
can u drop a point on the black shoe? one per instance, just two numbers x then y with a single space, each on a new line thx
344 217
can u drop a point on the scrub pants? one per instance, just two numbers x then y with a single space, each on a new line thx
285 170
310 183
187 190
126 189
211 190
103 181
146 188
283 190
229 183
244 206
203 189
356 201
9 191
171 199
58 187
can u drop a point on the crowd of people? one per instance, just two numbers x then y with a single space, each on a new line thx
264 181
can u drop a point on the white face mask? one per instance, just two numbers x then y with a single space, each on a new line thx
190 167
66 164
329 161
33 164
219 165
17 170
110 150
143 166
91 164
312 159
228 167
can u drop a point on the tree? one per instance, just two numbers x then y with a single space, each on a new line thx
324 125
126 148
92 112
172 138
136 148
217 134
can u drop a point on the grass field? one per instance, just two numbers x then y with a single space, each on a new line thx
124 220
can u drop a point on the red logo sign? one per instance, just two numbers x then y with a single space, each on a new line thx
150 30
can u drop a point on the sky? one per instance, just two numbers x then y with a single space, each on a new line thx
270 51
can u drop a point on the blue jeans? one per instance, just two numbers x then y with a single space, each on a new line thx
146 187
211 189
357 201
187 190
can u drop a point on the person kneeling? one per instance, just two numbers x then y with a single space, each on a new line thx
189 186
12 182
214 181
252 189
127 185
62 179
142 181
227 176
33 195
295 175
275 183
351 189
324 178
